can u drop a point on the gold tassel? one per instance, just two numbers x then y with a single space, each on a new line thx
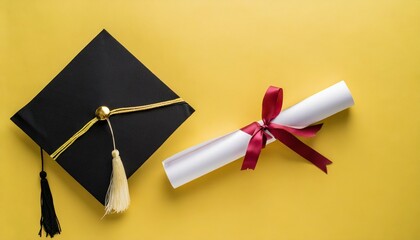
117 197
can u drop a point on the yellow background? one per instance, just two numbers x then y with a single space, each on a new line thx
221 56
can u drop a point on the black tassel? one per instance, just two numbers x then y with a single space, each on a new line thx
49 220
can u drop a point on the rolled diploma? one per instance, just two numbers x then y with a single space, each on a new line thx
208 156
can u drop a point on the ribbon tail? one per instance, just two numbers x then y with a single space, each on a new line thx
302 149
253 151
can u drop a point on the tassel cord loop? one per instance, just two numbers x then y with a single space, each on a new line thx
112 133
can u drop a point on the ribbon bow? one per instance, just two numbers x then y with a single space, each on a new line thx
272 104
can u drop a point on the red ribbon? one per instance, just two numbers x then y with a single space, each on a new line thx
272 104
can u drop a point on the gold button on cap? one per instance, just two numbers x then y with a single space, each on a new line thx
102 112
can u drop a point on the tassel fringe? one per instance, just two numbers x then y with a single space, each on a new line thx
49 220
117 197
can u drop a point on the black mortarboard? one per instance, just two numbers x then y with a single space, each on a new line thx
144 113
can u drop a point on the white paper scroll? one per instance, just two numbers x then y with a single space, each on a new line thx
206 157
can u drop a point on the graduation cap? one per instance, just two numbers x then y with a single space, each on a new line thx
103 100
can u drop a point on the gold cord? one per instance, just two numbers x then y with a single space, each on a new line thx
88 125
